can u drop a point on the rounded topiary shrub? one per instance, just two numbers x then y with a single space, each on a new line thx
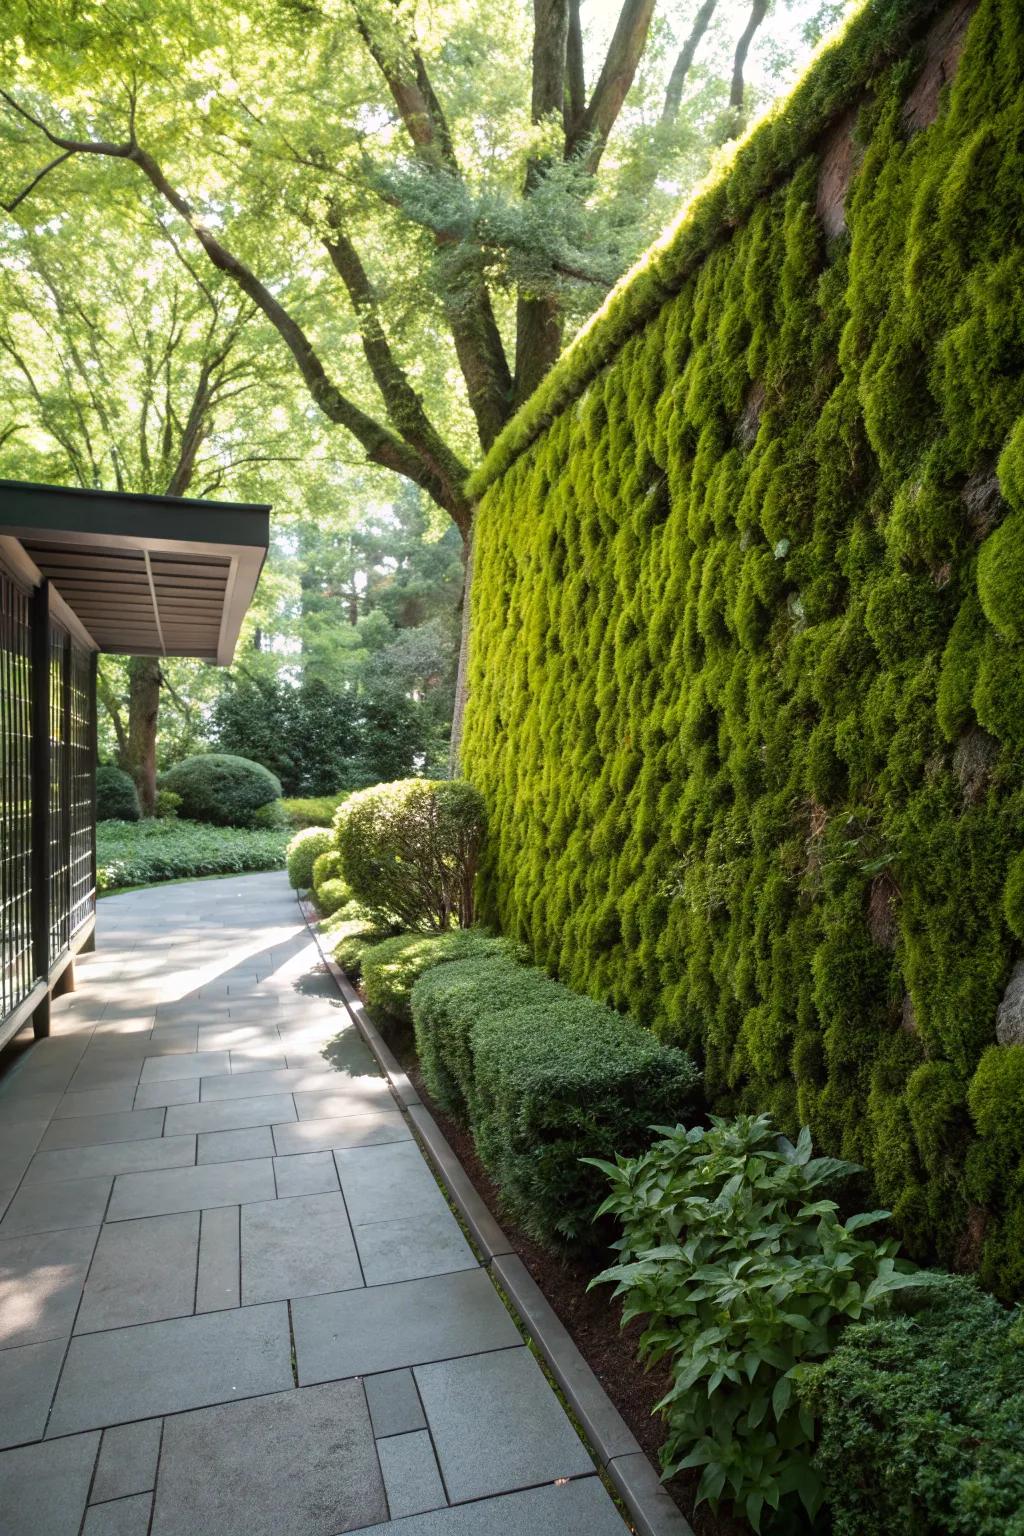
222 789
327 866
117 799
409 850
303 851
331 896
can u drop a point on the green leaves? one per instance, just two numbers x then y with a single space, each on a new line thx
745 1277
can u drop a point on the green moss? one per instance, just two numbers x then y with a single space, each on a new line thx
746 700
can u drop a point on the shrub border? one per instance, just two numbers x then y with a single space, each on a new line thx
618 1451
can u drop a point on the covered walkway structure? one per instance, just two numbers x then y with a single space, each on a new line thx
83 572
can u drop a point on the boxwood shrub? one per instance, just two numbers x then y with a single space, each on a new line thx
922 1419
117 799
392 968
327 866
331 896
220 788
353 933
544 1078
304 848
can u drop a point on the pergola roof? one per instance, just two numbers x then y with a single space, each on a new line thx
141 575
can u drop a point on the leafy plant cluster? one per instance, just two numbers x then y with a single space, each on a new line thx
117 799
920 1419
302 852
391 968
146 852
312 810
746 703
542 1077
744 1272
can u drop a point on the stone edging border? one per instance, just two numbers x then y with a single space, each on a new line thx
651 1509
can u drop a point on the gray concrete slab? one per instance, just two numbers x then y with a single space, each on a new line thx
94 1130
127 1462
357 1333
28 1377
296 1462
190 1189
43 1488
497 1425
161 1368
235 1146
183 1090
97 1101
41 1280
243 1062
219 1279
578 1508
124 1517
142 1272
411 1477
413 1247
297 1247
115 1157
247 1085
51 1205
394 1403
351 1131
348 1096
387 1183
233 1115
307 1173
163 1069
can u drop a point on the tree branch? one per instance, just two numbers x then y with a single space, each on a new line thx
575 81
758 12
590 133
684 61
382 446
37 178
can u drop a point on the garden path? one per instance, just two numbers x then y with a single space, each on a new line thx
233 1299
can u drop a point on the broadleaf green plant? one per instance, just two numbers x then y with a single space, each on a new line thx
746 1273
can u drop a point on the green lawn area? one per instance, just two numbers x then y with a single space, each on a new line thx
147 852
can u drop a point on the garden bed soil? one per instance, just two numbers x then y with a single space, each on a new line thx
590 1317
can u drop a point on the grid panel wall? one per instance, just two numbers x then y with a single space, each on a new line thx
82 775
60 808
16 968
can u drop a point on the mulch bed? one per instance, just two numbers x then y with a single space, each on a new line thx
590 1317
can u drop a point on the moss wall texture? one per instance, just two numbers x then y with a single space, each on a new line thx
747 662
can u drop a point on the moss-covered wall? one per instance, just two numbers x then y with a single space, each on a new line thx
747 663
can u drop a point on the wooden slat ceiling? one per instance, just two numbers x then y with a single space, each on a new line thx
112 594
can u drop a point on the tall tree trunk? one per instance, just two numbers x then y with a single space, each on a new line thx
684 61
143 711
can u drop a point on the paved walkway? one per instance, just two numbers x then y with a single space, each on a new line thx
232 1297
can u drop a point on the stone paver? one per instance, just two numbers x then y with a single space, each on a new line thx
233 1298
300 1462
497 1425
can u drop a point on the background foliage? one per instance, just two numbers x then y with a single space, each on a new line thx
746 701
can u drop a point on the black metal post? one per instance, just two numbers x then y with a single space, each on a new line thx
40 784
90 943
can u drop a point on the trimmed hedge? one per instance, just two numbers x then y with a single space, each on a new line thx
409 850
303 850
746 675
544 1078
922 1420
354 933
216 787
392 968
327 866
117 799
313 810
331 895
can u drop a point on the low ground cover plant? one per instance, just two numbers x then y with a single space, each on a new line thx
225 790
409 850
146 852
303 851
922 1419
542 1077
746 1274
117 799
